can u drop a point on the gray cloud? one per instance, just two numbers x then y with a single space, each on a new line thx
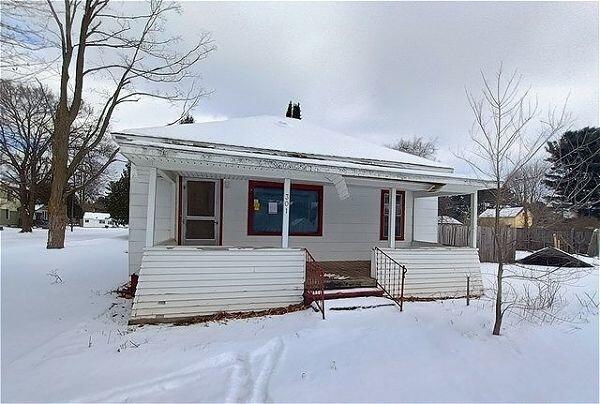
385 70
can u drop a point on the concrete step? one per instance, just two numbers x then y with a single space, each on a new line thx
358 303
352 292
333 283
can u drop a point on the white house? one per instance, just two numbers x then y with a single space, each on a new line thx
96 219
253 213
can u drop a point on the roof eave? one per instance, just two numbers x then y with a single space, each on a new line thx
123 136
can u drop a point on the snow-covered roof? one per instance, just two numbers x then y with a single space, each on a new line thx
448 220
96 215
504 212
292 137
40 207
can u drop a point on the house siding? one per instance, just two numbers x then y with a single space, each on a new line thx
179 282
9 217
436 271
164 224
517 222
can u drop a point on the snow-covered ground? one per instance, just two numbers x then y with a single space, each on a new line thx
69 342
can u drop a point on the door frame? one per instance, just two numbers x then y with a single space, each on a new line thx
182 209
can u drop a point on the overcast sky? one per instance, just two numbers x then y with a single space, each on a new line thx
382 71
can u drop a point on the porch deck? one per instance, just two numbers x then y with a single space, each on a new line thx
347 274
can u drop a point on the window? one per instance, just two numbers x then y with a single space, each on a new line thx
87 220
265 205
384 215
101 221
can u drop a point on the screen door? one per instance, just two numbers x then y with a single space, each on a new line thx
201 212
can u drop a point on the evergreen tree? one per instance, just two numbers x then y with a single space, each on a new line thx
186 119
296 111
574 174
117 198
288 114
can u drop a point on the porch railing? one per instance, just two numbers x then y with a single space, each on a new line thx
390 275
314 284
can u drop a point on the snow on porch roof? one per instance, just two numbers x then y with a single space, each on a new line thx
285 135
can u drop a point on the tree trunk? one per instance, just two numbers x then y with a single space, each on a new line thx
498 321
57 207
57 224
26 219
26 211
499 244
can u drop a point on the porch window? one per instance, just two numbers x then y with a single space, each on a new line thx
384 215
265 209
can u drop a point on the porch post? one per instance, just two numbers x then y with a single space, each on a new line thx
285 225
150 213
473 240
392 218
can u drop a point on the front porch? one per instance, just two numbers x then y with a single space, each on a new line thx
214 241
221 233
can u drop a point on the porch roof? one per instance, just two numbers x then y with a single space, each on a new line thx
158 147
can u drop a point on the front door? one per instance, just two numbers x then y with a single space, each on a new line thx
200 212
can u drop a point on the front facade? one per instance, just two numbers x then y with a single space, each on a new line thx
230 227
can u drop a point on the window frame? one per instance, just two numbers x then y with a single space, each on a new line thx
382 235
279 185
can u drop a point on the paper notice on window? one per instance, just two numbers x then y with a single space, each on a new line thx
272 208
256 205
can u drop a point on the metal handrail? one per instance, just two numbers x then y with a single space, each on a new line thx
314 285
392 270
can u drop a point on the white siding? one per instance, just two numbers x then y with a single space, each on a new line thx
426 219
164 227
179 282
350 227
435 272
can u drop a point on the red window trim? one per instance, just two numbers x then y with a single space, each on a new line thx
382 234
279 185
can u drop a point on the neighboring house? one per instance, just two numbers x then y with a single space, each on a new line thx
227 216
449 220
9 210
40 215
513 217
96 219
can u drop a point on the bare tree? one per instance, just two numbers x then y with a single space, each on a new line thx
22 34
503 143
527 187
25 129
128 50
89 184
417 146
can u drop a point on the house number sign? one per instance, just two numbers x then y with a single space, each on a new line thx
286 203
